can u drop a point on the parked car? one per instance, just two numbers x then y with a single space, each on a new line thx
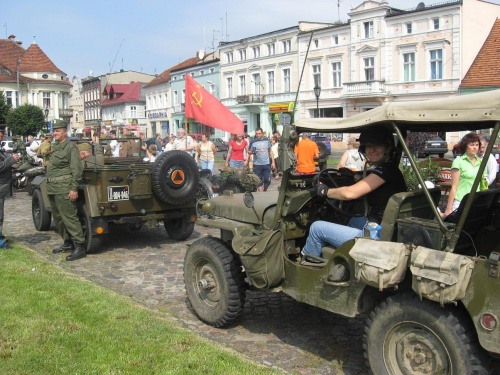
220 145
7 146
434 146
324 139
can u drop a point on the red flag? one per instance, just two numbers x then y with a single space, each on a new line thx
207 109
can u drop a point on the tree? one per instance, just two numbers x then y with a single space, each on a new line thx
26 120
416 142
4 108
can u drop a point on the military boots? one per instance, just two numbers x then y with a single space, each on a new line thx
66 246
77 253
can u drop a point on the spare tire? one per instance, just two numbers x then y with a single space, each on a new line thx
323 150
175 177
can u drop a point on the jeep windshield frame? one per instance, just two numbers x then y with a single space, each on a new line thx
463 113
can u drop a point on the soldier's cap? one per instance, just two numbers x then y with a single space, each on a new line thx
84 147
49 135
59 124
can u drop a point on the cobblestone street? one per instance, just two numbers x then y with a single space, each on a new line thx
148 267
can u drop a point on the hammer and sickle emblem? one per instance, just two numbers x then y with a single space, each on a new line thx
197 101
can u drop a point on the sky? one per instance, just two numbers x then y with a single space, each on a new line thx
150 36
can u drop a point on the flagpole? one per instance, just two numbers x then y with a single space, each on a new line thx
186 129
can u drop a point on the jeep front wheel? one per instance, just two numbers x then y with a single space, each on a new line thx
178 229
214 282
41 217
409 336
92 241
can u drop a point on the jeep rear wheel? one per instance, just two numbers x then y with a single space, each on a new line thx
175 177
214 282
92 241
178 229
409 336
41 217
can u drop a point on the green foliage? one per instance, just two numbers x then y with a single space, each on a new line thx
241 177
427 168
416 142
26 120
4 108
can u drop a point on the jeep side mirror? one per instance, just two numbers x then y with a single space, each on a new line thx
248 199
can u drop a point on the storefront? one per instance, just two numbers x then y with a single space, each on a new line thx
281 114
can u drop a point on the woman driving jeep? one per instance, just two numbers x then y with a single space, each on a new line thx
383 179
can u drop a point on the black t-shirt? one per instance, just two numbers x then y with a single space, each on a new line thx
378 198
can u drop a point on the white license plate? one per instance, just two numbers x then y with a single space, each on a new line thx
435 144
118 193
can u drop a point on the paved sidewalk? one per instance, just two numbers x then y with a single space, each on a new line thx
148 267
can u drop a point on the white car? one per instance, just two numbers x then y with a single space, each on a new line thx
7 146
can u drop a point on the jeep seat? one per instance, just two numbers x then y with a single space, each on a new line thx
404 205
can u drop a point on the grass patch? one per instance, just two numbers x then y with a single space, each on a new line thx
54 322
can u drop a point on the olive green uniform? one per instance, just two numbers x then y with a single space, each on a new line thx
91 161
63 175
99 154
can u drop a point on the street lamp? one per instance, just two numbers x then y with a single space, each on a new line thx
317 92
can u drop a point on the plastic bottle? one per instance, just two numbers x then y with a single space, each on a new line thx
374 230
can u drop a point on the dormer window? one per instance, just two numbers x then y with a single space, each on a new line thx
45 76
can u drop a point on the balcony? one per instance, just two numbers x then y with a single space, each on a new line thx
65 112
365 88
250 99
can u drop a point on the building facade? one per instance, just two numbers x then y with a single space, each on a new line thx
76 105
28 76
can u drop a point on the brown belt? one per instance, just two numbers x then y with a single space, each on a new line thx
59 178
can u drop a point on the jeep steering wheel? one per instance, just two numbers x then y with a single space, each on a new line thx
335 203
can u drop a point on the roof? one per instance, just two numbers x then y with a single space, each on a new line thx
10 52
165 75
121 93
485 70
35 60
461 113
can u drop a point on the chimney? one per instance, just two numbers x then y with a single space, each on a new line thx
12 37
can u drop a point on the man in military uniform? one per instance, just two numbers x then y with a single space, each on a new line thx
6 163
89 160
98 149
63 178
45 149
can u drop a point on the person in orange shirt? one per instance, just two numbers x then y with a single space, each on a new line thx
306 151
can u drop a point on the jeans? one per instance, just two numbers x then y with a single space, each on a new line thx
207 165
324 232
264 173
236 163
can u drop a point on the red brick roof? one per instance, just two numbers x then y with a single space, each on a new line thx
485 70
165 75
130 92
10 52
35 60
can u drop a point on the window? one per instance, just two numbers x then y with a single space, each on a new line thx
409 66
8 97
436 59
336 74
165 101
270 82
45 76
256 83
243 85
287 45
46 100
368 26
76 117
243 55
183 76
176 97
408 28
286 80
369 68
211 88
229 57
133 111
317 75
256 52
336 39
271 49
202 72
154 101
183 96
435 23
212 70
316 43
229 81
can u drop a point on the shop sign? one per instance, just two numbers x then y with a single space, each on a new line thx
278 107
132 121
157 114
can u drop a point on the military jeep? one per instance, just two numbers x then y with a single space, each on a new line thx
429 287
130 192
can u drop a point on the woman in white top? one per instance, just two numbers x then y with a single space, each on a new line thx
152 153
352 159
206 152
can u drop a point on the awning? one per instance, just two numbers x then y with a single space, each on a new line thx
86 130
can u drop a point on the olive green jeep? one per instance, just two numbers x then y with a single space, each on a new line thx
130 192
429 287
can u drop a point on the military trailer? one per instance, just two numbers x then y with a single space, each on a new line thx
130 192
430 287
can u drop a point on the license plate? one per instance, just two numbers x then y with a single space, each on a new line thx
118 193
435 144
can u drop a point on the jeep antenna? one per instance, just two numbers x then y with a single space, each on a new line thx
301 75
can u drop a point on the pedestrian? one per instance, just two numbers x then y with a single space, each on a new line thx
206 151
45 149
6 163
237 153
114 144
98 149
159 146
263 161
306 151
144 146
152 153
183 142
170 144
491 166
194 153
352 159
275 148
463 172
63 178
